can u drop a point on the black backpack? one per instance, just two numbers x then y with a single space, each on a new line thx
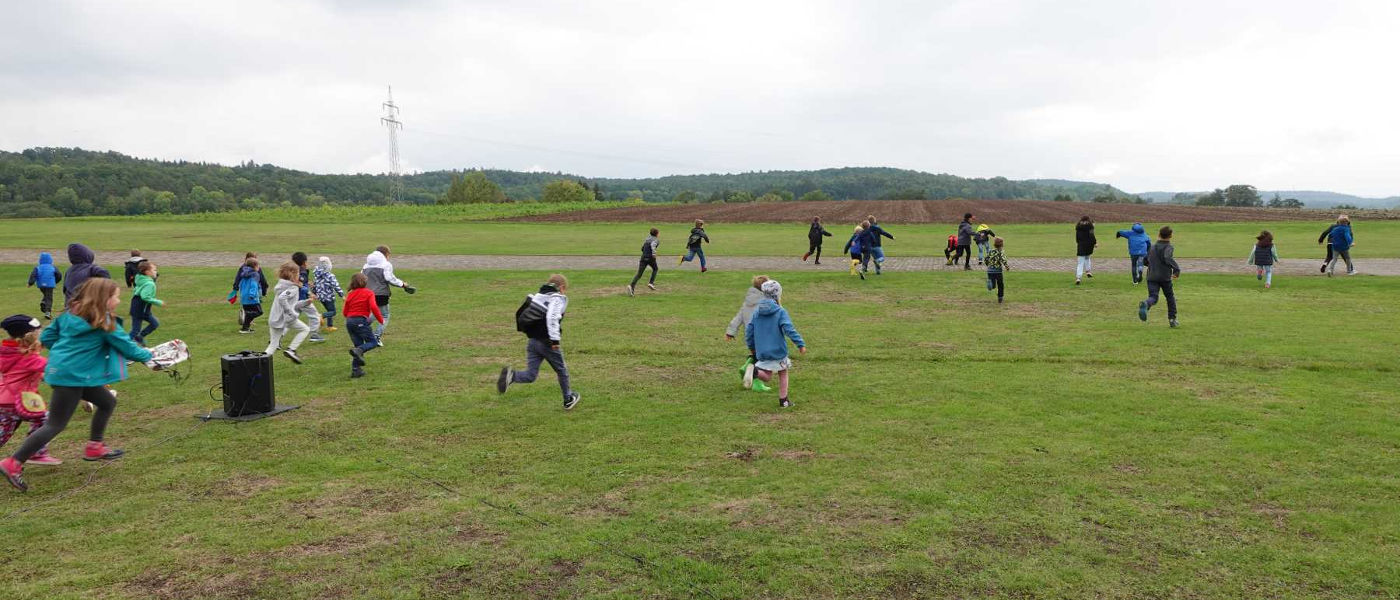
529 316
694 239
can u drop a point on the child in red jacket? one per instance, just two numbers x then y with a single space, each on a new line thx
952 245
22 367
359 305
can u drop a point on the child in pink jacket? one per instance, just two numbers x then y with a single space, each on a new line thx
22 367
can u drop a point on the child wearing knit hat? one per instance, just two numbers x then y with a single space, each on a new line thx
766 336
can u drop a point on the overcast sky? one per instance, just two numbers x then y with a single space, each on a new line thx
1160 95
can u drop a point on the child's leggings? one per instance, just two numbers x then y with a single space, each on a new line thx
537 351
767 376
61 406
9 424
1086 263
1267 273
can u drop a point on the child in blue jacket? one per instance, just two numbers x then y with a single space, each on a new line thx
87 350
1138 244
1342 242
47 277
767 335
853 246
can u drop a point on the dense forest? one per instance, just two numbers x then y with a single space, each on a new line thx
49 182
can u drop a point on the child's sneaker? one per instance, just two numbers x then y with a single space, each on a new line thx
1323 269
631 291
48 315
1351 272
999 299
12 469
680 260
292 354
245 331
1268 285
804 256
356 374
1076 281
507 377
784 403
330 330
651 286
1142 311
748 375
703 269
1088 274
100 451
759 386
1173 323
88 407
45 459
571 401
316 338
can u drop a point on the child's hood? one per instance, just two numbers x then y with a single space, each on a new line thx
284 285
142 278
246 272
45 258
12 357
376 260
79 254
767 307
324 264
136 260
1137 228
983 227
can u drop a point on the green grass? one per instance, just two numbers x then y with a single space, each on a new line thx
1380 239
940 446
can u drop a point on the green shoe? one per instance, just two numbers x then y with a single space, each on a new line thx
744 367
759 386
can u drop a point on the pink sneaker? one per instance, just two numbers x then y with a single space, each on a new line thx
45 459
12 469
100 451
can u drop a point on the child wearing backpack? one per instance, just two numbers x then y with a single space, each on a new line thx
21 368
766 336
996 266
1263 257
692 245
143 299
539 319
853 246
649 247
86 352
47 277
359 305
327 287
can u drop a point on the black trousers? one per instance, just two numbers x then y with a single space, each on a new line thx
250 312
815 248
1165 287
963 251
45 300
996 279
647 261
61 406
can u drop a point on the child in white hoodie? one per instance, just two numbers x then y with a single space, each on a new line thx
539 318
282 317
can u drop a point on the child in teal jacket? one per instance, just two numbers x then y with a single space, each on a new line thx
87 350
143 299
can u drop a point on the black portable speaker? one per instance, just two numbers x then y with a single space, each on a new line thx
248 384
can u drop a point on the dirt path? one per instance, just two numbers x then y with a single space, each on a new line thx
477 262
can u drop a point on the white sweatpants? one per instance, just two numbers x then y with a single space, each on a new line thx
1086 263
277 334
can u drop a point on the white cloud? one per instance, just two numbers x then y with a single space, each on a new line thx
1182 95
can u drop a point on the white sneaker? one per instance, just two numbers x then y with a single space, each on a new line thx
630 291
651 286
748 376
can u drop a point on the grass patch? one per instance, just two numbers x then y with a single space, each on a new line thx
941 445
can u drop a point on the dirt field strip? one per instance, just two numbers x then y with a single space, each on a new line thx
946 211
406 263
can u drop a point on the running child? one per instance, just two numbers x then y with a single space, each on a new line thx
327 287
649 247
877 252
81 258
965 232
21 368
286 312
87 351
133 266
359 305
247 292
982 236
380 273
1085 242
313 315
853 246
47 277
539 319
692 245
1161 270
766 336
1138 244
1342 241
740 322
143 300
815 233
234 292
1264 256
996 266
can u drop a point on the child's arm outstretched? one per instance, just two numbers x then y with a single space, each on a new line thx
118 339
1251 254
791 332
734 323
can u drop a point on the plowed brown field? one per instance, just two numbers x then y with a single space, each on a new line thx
941 211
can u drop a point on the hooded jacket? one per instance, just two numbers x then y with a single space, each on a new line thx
326 285
876 232
965 233
553 304
816 232
133 266
258 275
81 355
21 372
1161 266
285 305
1084 238
248 286
380 273
81 257
144 294
1341 238
741 319
768 332
45 275
696 234
983 233
1138 240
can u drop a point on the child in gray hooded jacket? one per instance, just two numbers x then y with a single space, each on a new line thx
284 315
741 319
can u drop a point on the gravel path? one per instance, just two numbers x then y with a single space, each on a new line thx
474 262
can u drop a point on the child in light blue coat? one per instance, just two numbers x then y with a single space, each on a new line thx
767 335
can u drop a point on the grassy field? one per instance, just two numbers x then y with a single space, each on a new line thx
1380 239
940 445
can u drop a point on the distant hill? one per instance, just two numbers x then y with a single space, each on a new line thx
1310 199
41 182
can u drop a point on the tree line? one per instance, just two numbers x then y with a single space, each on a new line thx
1235 195
50 182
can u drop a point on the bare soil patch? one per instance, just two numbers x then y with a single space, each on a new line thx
941 211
